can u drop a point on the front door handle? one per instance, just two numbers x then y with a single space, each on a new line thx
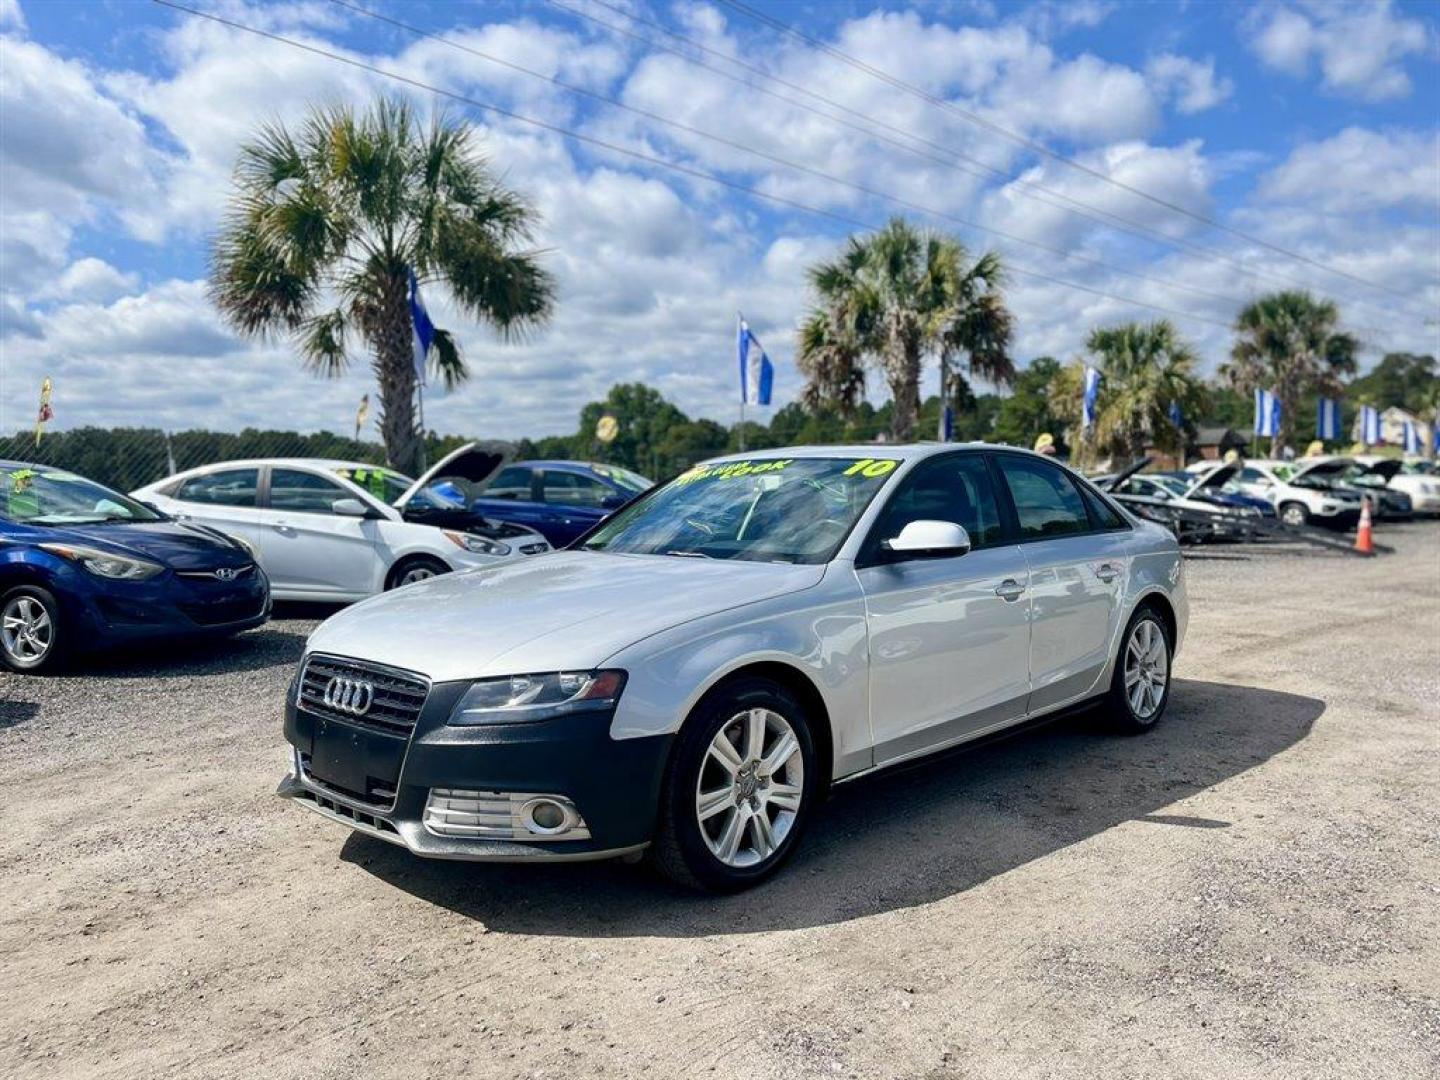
1009 590
1107 573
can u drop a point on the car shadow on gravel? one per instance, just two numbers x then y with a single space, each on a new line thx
902 838
254 650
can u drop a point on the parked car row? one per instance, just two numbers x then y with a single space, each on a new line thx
83 567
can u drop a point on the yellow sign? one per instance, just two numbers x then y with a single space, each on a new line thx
607 429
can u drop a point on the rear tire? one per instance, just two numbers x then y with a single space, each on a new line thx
414 568
33 634
1294 513
1140 687
739 789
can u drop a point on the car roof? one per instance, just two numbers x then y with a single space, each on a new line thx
900 451
328 464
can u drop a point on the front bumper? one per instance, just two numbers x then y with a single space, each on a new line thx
118 613
379 783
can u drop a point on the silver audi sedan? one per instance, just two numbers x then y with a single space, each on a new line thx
689 679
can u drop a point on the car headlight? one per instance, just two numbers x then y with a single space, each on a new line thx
105 564
478 544
525 699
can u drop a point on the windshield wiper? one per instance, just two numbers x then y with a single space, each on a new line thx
688 554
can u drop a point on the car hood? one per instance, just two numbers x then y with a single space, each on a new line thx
1214 480
1331 467
568 610
176 544
476 463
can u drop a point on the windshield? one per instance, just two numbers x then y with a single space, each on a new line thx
795 510
388 486
1171 484
629 482
49 497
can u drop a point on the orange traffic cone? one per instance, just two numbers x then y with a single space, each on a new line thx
1364 538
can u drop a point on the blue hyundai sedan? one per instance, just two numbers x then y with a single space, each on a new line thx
83 568
559 499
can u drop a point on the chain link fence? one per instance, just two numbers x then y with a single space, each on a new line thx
127 458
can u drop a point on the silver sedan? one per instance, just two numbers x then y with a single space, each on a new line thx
687 680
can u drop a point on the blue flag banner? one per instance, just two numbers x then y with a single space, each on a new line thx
1370 429
757 374
1177 417
1327 420
424 329
1267 413
947 423
1092 393
1413 443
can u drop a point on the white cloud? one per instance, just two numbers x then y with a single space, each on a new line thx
1191 83
1360 170
1361 47
11 16
89 280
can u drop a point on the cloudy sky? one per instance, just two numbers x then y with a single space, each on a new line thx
1301 140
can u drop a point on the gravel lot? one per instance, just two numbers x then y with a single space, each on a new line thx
1251 890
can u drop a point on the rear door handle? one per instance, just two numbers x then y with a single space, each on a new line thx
1009 590
1107 573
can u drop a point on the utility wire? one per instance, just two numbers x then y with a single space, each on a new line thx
951 158
650 159
787 163
1036 146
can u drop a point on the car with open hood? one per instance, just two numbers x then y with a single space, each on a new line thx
560 499
1196 508
84 568
1304 492
1372 478
322 533
690 678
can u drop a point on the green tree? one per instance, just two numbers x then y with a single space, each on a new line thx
644 418
1402 379
341 213
894 298
1291 343
1144 369
1028 412
695 440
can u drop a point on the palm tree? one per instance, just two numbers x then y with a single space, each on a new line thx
326 225
1290 342
894 298
1145 369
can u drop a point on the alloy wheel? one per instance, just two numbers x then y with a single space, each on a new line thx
1147 669
27 631
416 573
747 797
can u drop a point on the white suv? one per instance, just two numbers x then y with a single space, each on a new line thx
1303 492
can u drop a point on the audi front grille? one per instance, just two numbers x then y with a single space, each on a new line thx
367 695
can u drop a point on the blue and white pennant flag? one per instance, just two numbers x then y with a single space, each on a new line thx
1092 394
1370 430
757 374
1176 414
1413 442
1267 413
1327 420
424 329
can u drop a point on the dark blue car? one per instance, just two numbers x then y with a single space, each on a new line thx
83 567
559 499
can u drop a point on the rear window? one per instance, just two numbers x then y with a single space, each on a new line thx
228 487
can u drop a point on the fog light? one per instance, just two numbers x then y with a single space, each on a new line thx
545 816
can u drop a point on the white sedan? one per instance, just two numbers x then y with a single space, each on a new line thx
322 536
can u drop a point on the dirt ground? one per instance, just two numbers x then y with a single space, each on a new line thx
1252 890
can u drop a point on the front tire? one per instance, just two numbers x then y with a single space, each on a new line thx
415 568
1294 513
32 632
1140 687
739 789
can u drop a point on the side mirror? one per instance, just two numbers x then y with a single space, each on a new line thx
932 538
349 508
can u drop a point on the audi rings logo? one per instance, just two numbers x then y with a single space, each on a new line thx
353 696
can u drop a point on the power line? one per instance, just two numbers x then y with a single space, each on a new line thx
1039 147
785 162
951 158
650 159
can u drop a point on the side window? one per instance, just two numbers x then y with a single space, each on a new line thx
954 489
1046 502
303 492
1252 476
229 487
1101 511
572 489
512 482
